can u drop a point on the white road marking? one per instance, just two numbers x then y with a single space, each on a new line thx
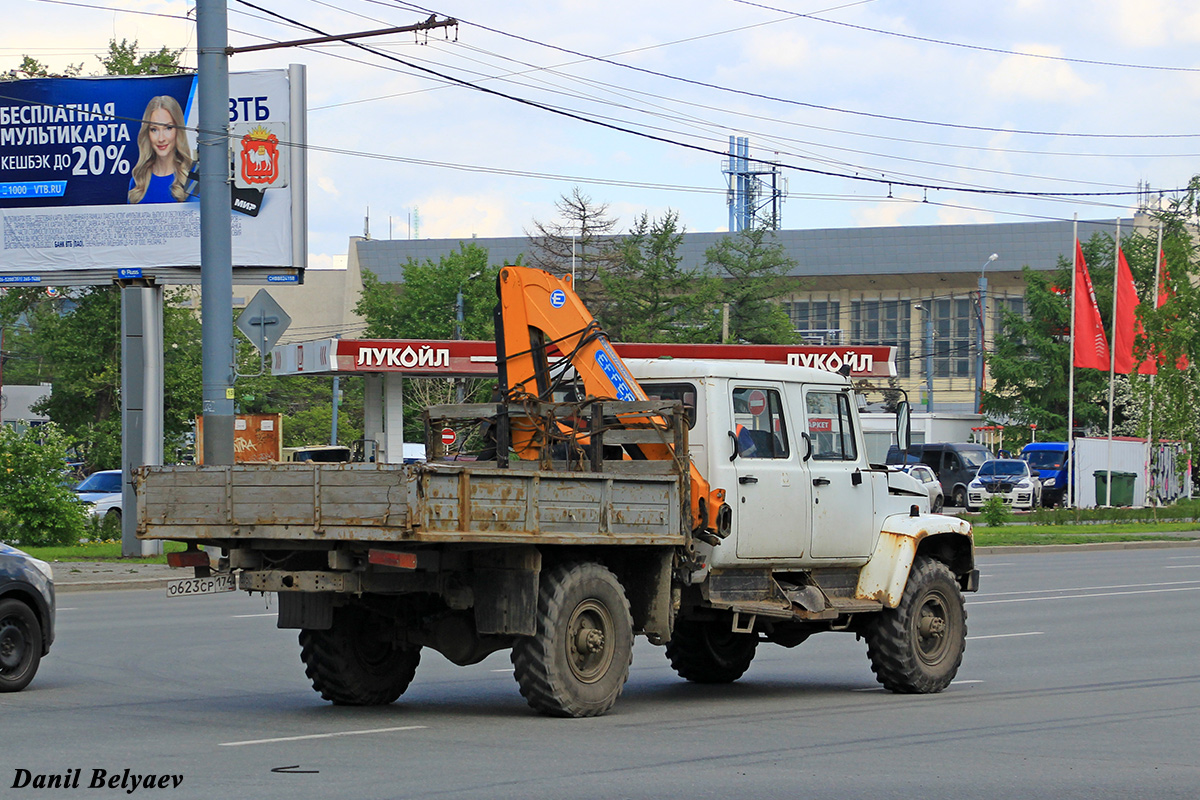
1182 566
248 616
1006 635
1094 588
502 670
1082 596
320 736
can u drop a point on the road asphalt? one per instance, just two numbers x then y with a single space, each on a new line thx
81 576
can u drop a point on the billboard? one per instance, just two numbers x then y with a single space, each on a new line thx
101 174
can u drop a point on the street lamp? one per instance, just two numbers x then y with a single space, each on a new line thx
928 312
979 337
459 393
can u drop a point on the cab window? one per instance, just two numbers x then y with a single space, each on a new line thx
761 430
831 426
683 392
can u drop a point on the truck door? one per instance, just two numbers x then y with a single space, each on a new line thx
842 495
771 504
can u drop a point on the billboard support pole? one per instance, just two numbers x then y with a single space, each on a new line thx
141 401
216 241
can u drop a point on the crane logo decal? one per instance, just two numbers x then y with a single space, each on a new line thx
558 298
624 393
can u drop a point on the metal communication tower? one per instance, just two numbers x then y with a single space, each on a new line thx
756 188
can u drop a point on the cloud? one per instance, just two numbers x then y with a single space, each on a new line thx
325 184
466 216
883 215
1021 78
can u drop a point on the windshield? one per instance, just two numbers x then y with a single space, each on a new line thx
1045 459
1003 468
107 482
973 458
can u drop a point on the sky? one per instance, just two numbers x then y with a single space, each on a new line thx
879 112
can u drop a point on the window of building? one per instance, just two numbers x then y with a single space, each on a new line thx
818 321
953 338
883 322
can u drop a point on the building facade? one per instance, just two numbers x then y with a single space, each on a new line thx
914 288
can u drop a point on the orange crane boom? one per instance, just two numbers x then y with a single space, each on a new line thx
538 312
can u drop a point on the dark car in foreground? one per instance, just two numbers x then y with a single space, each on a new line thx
26 616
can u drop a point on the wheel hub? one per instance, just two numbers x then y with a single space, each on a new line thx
588 632
12 647
932 627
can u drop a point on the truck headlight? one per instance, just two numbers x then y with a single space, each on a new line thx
1048 482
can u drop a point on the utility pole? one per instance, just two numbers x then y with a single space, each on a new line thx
216 241
979 341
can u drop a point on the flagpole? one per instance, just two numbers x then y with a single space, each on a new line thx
1112 366
1070 496
1158 258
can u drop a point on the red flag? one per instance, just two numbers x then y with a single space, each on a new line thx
1165 294
1091 345
1128 326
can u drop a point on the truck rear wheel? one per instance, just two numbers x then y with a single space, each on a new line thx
355 662
577 662
916 648
710 652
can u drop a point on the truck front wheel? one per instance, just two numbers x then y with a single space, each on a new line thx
356 662
710 652
916 648
577 662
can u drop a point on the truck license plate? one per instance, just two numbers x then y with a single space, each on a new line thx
186 587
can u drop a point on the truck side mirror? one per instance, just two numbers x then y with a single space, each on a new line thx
903 429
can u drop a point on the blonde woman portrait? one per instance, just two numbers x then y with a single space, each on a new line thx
164 157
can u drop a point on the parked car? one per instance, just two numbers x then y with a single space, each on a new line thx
1048 461
1007 478
955 464
26 616
101 491
927 478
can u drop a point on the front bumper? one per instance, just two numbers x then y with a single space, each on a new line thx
1017 498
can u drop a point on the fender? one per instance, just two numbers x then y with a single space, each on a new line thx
883 577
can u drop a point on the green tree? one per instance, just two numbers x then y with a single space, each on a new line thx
754 266
649 297
425 306
582 240
1030 359
74 342
123 59
32 68
1166 407
36 508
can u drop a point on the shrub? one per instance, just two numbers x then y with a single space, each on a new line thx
36 508
994 512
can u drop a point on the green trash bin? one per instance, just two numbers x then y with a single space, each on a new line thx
1122 487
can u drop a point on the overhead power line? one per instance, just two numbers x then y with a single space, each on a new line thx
980 48
699 148
818 107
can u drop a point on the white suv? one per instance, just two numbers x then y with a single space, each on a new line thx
1008 479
